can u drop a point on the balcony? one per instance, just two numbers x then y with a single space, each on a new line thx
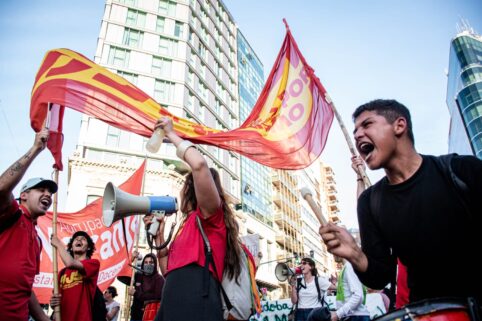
333 207
285 223
282 239
275 180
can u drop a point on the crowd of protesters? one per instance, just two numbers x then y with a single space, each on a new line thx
421 219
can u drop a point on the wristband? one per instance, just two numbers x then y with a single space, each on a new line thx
182 147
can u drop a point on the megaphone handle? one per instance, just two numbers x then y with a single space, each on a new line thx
163 245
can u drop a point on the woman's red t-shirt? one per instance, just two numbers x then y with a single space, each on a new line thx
188 246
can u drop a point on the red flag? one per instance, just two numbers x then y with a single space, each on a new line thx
56 137
287 128
109 242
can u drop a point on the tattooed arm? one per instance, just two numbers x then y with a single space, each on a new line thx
12 176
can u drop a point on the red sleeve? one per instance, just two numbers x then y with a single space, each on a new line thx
9 211
91 268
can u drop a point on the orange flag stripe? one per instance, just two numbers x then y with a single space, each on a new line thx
286 129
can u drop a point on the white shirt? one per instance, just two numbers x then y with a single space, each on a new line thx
111 306
353 290
308 298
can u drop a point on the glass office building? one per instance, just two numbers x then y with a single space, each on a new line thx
255 178
464 94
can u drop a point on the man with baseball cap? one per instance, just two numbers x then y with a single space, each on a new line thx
19 241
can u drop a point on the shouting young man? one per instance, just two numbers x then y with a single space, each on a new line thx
425 211
20 245
78 280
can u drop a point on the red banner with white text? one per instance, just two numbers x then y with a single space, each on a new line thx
109 242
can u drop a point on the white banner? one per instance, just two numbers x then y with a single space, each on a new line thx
277 310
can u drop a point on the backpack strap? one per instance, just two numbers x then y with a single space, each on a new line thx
318 290
444 163
209 259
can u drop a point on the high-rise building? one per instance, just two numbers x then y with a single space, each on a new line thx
464 93
191 58
255 178
310 178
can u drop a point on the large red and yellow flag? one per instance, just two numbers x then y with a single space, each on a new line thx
287 128
111 247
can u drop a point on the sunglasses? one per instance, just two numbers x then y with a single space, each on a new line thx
303 263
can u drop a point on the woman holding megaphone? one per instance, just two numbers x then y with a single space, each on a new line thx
307 292
189 292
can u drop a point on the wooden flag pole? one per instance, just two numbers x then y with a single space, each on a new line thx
127 301
54 225
361 170
306 193
54 249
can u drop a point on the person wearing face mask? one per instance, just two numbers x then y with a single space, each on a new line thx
78 280
307 292
148 287
19 242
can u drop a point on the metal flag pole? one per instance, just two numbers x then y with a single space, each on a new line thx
54 224
127 301
361 170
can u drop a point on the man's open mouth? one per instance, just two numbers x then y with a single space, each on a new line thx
365 149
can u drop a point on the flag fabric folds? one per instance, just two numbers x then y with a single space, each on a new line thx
56 137
287 128
109 241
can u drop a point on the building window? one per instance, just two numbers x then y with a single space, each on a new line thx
133 38
167 8
202 71
113 135
204 35
161 67
167 46
130 77
201 112
202 51
178 29
217 106
203 91
190 78
192 58
163 90
132 3
160 24
190 101
91 198
136 18
118 57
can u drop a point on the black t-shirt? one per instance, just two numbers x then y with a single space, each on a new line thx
424 222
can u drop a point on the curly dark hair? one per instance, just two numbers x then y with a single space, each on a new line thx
90 248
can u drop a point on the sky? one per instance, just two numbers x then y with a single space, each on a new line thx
360 50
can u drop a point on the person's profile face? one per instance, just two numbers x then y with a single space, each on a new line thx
374 138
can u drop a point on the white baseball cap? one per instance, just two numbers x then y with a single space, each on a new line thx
38 182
